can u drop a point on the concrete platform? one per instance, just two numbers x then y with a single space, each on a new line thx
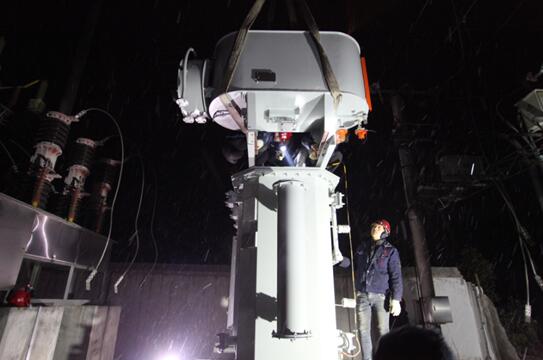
59 333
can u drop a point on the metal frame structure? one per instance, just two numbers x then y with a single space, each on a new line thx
43 238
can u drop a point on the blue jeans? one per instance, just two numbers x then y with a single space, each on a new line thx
366 304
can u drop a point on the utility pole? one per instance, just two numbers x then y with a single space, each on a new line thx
80 60
423 267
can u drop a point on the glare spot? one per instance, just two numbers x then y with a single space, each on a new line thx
169 356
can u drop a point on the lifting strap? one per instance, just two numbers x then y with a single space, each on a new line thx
329 75
241 38
239 44
234 111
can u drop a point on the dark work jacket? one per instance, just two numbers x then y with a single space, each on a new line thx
382 272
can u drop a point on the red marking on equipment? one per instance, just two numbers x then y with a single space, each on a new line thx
341 135
282 136
366 82
361 133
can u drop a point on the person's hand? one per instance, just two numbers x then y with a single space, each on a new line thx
395 307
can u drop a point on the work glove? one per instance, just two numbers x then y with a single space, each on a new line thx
395 307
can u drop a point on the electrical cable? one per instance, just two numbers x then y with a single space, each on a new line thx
524 135
20 147
9 156
538 278
104 140
523 246
523 236
120 279
503 178
350 242
202 80
155 246
121 167
357 353
185 67
130 239
522 251
25 86
520 171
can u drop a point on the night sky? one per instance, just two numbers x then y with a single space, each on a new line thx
459 66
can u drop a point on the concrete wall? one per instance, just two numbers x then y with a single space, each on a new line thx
88 333
29 333
475 332
180 309
58 333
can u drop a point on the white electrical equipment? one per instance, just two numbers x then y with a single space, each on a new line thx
281 303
